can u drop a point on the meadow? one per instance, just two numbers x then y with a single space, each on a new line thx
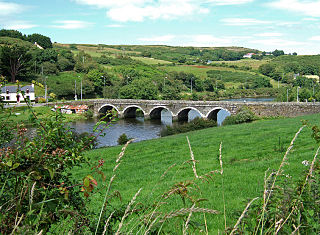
161 166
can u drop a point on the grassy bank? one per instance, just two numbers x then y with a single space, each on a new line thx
248 150
22 114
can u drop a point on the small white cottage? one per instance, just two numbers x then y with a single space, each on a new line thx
10 94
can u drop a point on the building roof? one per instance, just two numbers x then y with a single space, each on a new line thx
13 89
71 107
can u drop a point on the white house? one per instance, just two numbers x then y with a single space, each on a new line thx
10 94
249 55
37 45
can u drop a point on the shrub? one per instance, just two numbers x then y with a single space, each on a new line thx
195 124
245 115
88 114
123 139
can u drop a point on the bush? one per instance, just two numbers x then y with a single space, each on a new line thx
88 114
123 139
245 115
195 124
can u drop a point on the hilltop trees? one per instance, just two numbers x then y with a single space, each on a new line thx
12 34
43 41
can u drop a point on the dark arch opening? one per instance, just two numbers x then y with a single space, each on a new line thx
108 109
218 115
213 115
156 113
185 115
133 112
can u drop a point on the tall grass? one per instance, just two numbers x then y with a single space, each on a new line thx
175 200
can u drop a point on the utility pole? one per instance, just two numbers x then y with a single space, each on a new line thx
81 88
312 88
46 90
75 90
45 85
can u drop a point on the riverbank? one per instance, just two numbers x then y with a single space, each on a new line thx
248 150
22 114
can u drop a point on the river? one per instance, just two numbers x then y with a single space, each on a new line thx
136 128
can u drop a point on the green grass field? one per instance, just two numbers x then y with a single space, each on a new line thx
151 61
248 150
254 64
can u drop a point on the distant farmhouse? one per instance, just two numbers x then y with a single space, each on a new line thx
37 45
69 109
10 94
249 55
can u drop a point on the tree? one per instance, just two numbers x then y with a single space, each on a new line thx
267 69
11 33
278 52
15 60
49 68
96 77
140 89
146 54
43 41
65 64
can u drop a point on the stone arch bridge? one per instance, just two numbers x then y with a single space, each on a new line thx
179 109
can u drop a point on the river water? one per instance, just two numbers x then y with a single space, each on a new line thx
136 128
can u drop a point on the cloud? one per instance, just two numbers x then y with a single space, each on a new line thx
309 8
277 42
115 26
310 19
269 34
158 39
229 2
315 38
243 21
7 8
19 25
206 40
163 10
71 24
140 10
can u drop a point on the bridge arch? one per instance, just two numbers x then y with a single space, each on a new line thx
183 113
155 112
213 114
130 111
107 107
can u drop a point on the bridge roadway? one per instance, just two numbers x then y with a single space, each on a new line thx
207 109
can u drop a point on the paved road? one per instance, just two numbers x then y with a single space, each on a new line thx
21 105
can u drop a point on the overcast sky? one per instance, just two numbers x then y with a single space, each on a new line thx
290 25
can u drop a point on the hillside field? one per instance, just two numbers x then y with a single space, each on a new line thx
248 150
